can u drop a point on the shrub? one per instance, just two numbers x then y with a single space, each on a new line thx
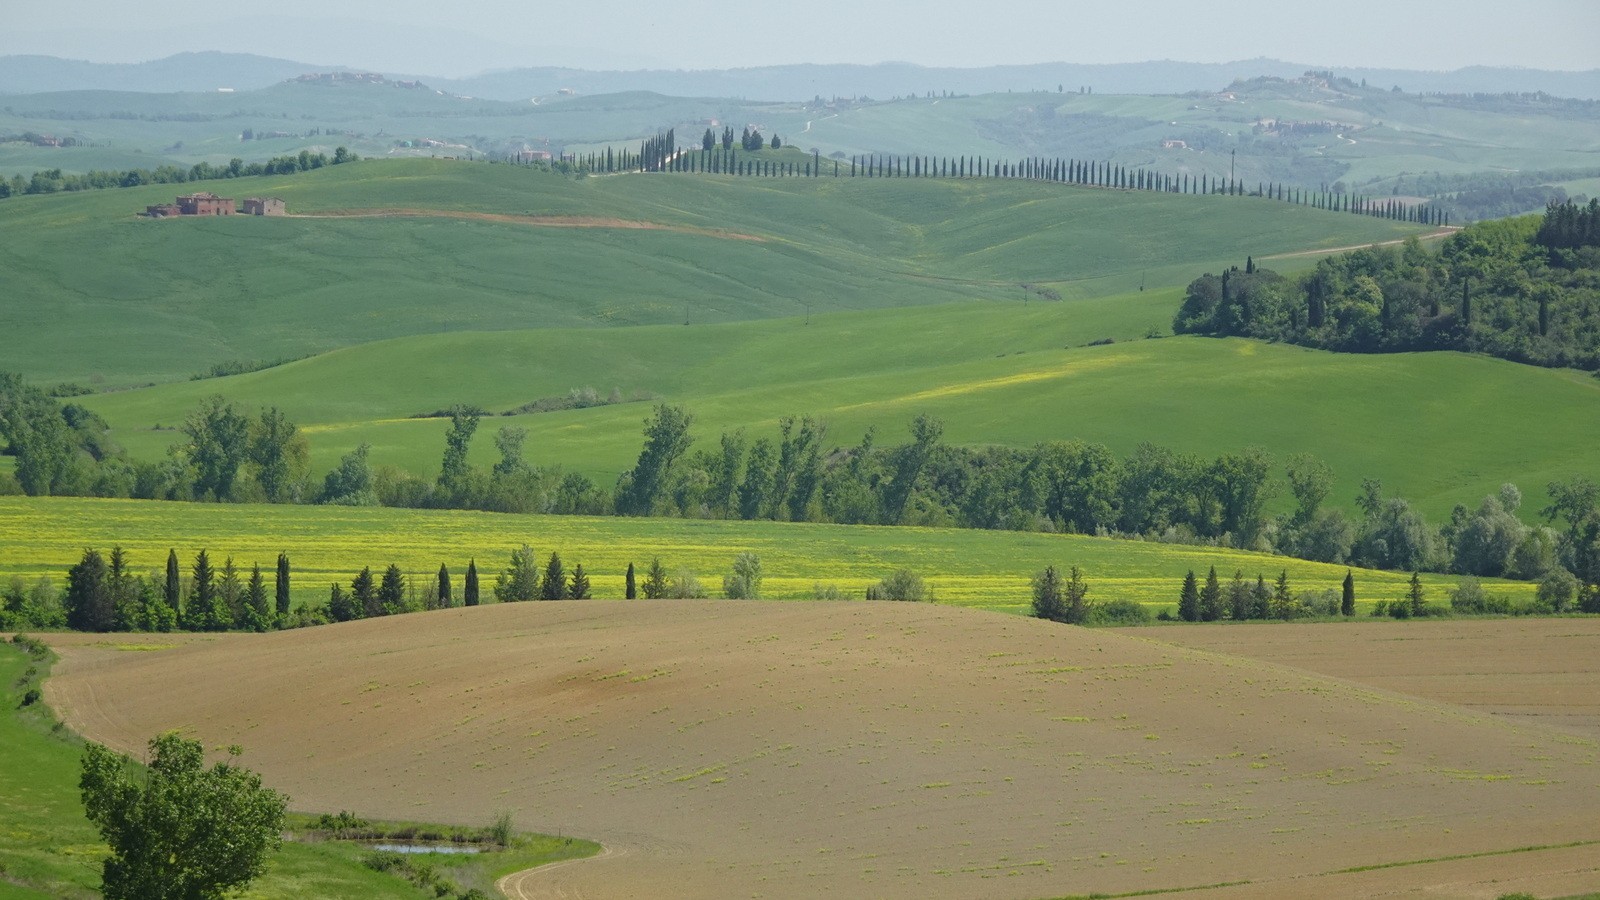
501 831
821 591
686 587
1469 598
384 861
31 696
1557 590
1119 612
902 585
745 581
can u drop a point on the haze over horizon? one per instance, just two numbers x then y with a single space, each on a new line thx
422 37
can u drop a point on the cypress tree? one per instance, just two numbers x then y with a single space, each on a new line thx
1047 599
1466 301
88 600
579 589
281 585
391 597
554 586
1238 596
1261 599
469 589
1075 598
1347 603
174 586
340 606
257 614
1282 599
630 587
1211 598
444 598
1189 599
364 594
202 615
1416 600
655 581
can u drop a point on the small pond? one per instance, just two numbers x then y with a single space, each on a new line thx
427 848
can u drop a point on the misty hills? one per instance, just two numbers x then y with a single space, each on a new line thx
211 70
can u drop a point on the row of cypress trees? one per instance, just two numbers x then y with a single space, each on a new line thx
660 154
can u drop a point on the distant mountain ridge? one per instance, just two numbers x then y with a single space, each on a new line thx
211 70
198 71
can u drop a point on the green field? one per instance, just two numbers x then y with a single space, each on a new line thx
49 850
996 374
94 294
985 569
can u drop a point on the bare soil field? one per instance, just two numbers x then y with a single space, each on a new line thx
1534 670
738 749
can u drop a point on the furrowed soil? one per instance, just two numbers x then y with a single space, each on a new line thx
744 749
1536 670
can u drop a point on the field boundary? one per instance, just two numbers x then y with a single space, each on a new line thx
530 220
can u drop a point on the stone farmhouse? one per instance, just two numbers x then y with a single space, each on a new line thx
205 203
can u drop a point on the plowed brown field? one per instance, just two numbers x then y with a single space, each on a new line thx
733 749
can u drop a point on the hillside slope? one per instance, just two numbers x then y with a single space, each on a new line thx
1009 374
723 749
164 299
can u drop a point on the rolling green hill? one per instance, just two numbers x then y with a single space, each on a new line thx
95 294
1437 428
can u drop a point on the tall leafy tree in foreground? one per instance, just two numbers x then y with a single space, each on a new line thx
179 831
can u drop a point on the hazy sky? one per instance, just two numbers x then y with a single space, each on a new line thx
440 37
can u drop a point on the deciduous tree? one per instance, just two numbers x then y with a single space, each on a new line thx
179 831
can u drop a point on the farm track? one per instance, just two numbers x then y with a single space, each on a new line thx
536 884
531 221
1441 233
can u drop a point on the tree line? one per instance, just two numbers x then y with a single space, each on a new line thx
1525 289
54 180
226 454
